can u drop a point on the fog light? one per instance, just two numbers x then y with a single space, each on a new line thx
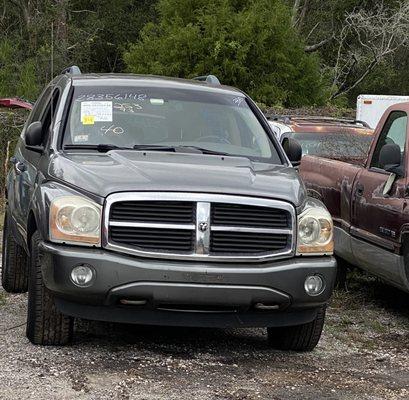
314 285
82 275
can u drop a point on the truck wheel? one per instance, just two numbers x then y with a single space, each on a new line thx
300 337
45 324
342 271
14 274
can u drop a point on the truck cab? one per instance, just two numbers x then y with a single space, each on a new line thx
369 203
151 200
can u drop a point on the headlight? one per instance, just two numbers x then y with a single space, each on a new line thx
315 230
74 219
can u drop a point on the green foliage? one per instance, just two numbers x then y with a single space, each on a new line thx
16 78
248 44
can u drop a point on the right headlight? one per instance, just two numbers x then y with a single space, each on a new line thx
315 230
75 220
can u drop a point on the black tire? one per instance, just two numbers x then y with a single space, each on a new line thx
45 324
300 337
14 274
342 271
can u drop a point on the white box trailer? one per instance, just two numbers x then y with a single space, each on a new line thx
370 107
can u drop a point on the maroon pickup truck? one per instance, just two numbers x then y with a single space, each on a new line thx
369 204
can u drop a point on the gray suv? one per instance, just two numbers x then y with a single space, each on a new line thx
150 200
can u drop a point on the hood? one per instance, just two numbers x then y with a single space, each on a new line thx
120 171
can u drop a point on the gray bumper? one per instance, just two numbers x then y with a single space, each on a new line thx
186 293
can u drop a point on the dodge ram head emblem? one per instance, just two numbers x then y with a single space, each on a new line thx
203 226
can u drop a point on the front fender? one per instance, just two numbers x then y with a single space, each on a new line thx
40 206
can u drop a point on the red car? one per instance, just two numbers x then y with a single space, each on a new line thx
15 102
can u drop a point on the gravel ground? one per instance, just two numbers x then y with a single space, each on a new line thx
363 354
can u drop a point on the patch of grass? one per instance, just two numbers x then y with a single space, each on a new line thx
2 299
1 214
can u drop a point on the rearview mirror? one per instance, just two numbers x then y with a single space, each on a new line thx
293 150
34 137
390 158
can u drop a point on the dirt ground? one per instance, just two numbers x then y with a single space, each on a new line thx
363 354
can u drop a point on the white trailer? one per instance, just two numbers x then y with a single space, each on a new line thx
370 107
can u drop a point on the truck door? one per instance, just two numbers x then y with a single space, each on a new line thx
377 217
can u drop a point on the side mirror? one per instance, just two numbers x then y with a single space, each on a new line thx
390 158
33 137
293 150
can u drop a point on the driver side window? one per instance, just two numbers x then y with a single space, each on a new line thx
393 132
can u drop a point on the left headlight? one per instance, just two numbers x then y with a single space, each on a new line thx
75 220
315 230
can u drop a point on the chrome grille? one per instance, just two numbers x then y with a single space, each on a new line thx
199 226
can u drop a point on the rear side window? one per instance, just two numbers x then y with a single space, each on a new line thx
342 145
393 132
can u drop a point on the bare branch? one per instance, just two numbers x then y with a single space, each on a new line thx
317 46
366 39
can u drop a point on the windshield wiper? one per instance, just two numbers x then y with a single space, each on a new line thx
154 147
102 148
205 151
177 149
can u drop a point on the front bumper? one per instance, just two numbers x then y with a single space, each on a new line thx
188 293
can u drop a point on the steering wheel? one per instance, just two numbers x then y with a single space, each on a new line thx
219 139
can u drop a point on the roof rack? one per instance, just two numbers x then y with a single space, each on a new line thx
73 70
288 118
212 79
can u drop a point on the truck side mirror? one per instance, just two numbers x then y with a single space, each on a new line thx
34 136
390 158
293 150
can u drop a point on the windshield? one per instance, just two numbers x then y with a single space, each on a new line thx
131 116
342 145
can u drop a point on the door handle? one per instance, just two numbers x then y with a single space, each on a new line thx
19 167
359 191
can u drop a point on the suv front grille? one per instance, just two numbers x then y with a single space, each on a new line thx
153 239
246 242
245 215
153 211
199 226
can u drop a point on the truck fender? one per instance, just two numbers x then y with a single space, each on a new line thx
38 215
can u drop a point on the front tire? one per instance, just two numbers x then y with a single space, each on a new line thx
45 324
300 337
14 274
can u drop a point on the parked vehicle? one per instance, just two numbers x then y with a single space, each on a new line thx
15 102
369 203
370 107
152 200
334 138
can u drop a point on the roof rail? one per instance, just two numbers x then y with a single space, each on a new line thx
212 79
288 118
73 70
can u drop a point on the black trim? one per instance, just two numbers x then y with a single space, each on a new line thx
64 118
138 315
376 241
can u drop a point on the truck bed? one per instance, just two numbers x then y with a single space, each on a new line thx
331 181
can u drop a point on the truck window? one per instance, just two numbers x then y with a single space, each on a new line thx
394 131
48 115
340 145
